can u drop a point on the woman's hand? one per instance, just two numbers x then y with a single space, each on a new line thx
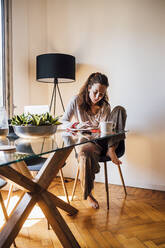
84 125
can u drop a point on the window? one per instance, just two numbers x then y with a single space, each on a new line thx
6 98
1 59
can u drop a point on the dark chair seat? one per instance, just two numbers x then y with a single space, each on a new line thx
120 150
2 183
35 164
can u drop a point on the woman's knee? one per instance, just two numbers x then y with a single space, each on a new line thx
84 153
119 116
87 148
120 109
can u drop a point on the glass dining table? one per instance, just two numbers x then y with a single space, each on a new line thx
13 156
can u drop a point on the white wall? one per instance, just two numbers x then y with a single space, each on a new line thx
123 39
29 40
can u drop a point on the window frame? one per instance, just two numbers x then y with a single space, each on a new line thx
6 6
3 53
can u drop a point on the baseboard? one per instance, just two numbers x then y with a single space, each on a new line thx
136 185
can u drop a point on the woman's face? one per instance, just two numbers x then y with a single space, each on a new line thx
96 92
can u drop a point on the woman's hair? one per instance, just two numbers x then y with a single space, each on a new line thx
84 101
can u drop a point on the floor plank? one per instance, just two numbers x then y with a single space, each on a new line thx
137 221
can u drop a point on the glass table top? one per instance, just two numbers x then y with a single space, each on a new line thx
21 149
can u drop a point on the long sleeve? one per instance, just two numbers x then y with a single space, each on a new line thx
69 113
73 110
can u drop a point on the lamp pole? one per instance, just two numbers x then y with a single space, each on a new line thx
55 89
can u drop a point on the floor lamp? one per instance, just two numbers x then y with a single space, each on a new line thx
55 68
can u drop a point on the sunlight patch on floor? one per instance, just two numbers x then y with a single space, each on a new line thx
34 217
64 198
2 221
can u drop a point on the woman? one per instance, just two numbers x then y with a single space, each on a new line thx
91 106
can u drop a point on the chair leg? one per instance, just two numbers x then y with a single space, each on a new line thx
65 191
63 185
75 183
106 183
48 225
3 207
5 213
9 195
122 179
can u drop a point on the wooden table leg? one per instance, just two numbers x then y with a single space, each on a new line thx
47 201
15 222
61 204
57 222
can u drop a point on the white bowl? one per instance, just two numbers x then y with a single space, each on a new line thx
35 131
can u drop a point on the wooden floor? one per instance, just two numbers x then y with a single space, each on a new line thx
135 222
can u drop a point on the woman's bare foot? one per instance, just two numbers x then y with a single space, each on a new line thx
93 202
113 156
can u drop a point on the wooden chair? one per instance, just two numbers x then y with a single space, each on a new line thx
103 158
34 164
3 184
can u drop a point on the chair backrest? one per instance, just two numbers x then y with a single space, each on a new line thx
11 135
120 150
33 163
25 148
36 109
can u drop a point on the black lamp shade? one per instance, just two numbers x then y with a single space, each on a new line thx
55 66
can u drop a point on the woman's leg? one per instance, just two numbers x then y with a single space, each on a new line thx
118 116
88 163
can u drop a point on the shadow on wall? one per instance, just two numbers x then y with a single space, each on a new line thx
146 151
